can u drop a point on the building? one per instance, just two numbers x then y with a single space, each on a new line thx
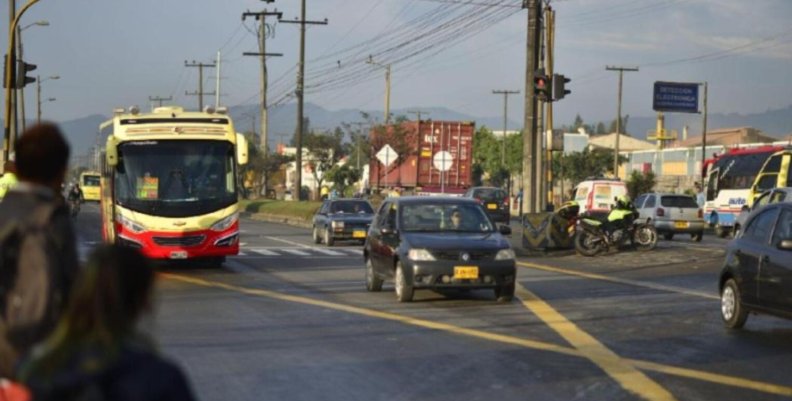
626 143
728 137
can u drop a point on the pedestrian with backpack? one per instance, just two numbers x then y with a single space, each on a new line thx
38 254
97 351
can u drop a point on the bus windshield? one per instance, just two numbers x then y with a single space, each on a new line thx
90 180
736 171
176 178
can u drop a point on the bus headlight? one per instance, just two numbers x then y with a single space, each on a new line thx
225 222
505 254
131 225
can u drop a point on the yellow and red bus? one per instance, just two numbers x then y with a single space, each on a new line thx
170 183
89 182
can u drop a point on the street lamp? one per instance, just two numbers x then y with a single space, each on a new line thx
20 56
39 80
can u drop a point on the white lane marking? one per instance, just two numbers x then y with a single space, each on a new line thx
285 241
328 252
261 251
295 252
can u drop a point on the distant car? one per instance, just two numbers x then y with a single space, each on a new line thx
342 219
774 195
672 214
595 196
756 273
436 243
494 200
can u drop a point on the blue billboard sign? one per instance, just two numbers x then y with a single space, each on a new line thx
676 97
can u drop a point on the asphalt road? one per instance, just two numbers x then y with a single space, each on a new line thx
288 319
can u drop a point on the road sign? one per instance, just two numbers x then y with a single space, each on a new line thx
387 155
443 160
679 97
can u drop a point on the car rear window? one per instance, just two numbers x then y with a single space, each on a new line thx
678 201
490 194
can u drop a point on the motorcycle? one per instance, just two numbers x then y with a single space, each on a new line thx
622 225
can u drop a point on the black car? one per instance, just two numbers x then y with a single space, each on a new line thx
757 274
437 243
494 200
342 219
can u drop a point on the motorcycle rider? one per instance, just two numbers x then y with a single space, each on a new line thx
617 216
75 196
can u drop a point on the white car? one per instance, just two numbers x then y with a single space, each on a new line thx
672 214
596 196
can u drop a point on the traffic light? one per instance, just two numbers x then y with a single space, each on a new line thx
542 86
22 69
559 86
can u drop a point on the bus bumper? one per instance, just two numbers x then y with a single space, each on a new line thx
181 245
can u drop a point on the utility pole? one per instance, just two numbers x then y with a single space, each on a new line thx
357 142
418 113
200 92
217 82
704 139
618 116
387 68
300 86
530 135
160 99
262 53
505 94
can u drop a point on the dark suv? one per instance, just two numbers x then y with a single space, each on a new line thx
494 200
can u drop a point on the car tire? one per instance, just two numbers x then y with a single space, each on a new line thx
373 283
732 311
505 293
317 239
328 237
404 290
697 236
668 236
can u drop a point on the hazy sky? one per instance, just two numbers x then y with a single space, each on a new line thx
112 53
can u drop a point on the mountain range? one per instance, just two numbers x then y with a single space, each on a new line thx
82 132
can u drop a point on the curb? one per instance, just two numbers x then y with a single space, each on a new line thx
274 218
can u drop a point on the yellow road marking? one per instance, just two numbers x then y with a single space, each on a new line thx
634 283
630 378
532 344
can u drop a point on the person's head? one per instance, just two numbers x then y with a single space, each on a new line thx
42 155
623 200
456 217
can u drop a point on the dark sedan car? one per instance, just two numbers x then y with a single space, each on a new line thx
342 219
438 243
494 200
757 274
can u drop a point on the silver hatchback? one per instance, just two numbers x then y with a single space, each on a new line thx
672 214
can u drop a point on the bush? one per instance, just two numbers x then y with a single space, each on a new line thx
639 183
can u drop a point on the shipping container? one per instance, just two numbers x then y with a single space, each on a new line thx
425 156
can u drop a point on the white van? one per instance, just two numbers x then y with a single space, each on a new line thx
597 195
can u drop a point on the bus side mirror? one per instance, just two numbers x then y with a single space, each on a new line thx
241 149
111 152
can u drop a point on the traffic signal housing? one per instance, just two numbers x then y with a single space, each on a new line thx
542 86
559 86
22 69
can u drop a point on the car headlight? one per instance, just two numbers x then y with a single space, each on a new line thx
420 255
337 224
505 254
131 225
225 222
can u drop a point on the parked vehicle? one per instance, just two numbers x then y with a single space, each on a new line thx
438 243
595 235
595 196
423 157
672 214
495 201
756 272
342 219
775 195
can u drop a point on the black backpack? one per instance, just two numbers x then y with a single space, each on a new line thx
30 294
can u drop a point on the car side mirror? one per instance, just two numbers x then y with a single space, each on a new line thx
504 229
785 245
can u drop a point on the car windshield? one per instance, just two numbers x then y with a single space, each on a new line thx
444 217
679 201
351 207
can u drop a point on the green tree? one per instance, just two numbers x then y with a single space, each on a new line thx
624 121
601 128
343 176
577 166
640 183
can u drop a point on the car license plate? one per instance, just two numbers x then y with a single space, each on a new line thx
681 224
178 255
466 272
492 206
358 234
